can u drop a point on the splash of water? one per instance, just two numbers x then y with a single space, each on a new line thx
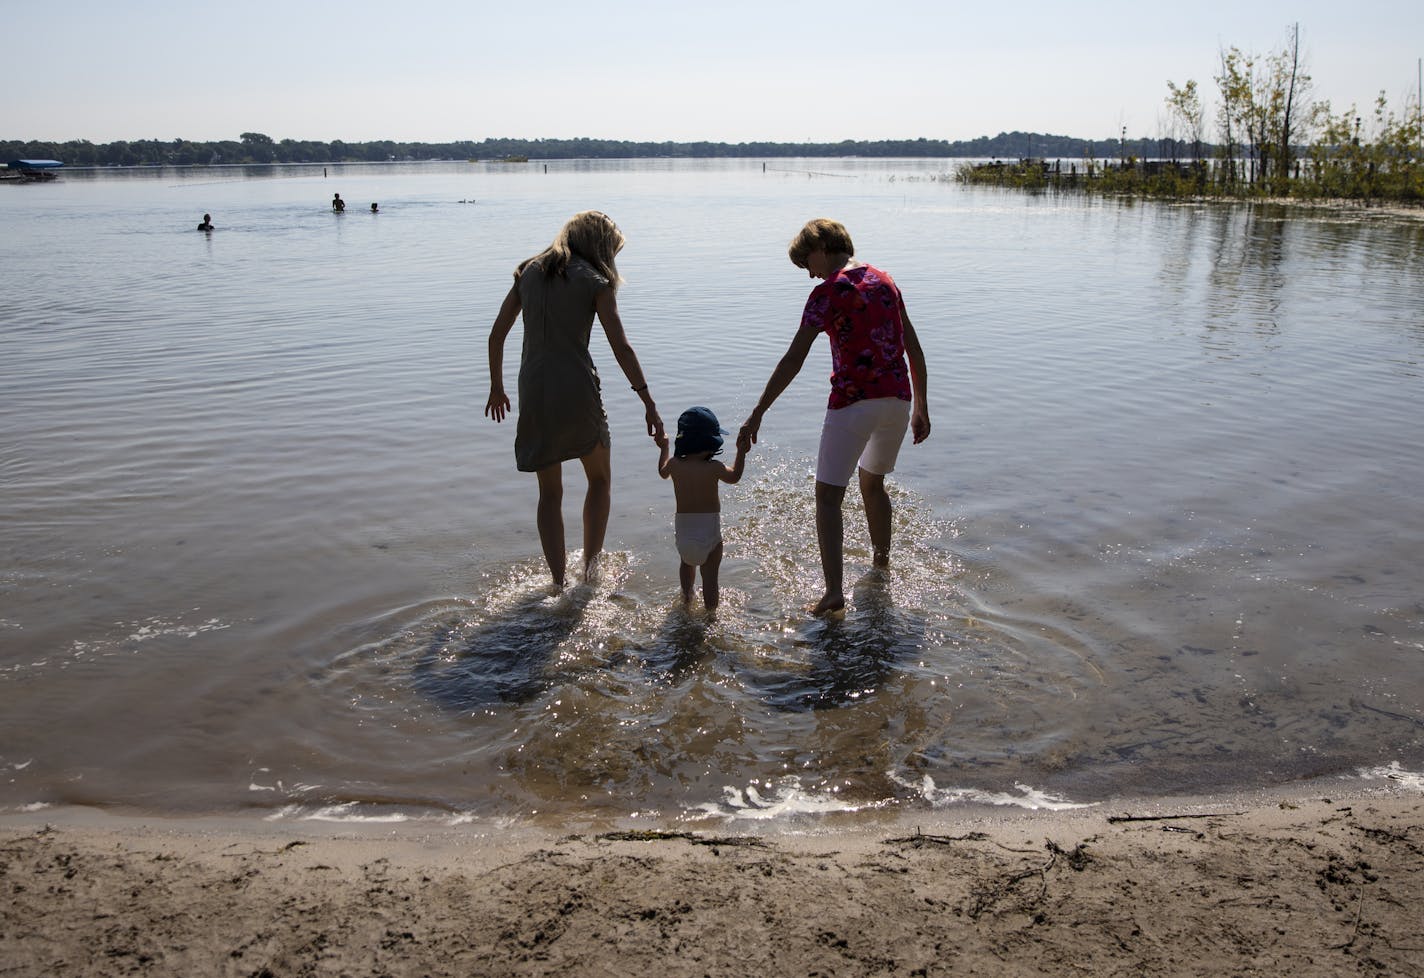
1023 796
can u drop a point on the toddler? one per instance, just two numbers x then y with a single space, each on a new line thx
695 477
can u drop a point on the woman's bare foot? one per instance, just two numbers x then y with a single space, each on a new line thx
830 602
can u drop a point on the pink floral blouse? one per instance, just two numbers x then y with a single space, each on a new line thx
859 311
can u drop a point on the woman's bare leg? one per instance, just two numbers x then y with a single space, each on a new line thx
598 467
549 516
830 533
877 515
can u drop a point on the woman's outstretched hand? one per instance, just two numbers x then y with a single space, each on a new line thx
497 406
654 422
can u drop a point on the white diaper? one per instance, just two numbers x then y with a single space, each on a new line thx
697 536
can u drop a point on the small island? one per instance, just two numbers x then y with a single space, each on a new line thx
1273 142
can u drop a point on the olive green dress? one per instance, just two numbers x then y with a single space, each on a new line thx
561 413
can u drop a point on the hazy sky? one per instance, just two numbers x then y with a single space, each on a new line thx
439 70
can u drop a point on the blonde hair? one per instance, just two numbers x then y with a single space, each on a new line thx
822 234
590 235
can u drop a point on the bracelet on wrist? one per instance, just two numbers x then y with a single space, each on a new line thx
639 390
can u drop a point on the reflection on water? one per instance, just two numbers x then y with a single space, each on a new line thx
263 552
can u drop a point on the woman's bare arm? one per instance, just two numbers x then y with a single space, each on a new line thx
498 404
786 370
919 383
606 305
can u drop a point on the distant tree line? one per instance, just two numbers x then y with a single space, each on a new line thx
256 147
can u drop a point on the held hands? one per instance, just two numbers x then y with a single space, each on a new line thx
660 439
655 424
497 406
749 430
744 440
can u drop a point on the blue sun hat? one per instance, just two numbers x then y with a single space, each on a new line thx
697 432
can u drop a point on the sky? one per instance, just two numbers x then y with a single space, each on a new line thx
734 71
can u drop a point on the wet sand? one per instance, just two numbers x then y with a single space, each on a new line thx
1307 885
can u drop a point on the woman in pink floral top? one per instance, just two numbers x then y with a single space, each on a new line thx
877 386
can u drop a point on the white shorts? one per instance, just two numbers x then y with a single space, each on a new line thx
866 433
697 535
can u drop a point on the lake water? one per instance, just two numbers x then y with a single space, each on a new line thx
262 551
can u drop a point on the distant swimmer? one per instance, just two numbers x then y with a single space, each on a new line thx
337 204
373 207
207 224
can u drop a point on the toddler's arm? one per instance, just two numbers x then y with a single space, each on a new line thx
664 469
744 445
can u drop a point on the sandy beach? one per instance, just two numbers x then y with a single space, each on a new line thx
1270 885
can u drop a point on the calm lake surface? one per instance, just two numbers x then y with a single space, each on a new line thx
262 551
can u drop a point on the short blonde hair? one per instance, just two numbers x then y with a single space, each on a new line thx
592 236
822 234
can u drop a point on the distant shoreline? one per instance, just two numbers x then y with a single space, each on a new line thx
258 148
1372 208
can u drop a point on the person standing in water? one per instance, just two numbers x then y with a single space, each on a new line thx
877 385
337 204
561 416
696 477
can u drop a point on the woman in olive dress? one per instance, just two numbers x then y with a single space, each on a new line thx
561 416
